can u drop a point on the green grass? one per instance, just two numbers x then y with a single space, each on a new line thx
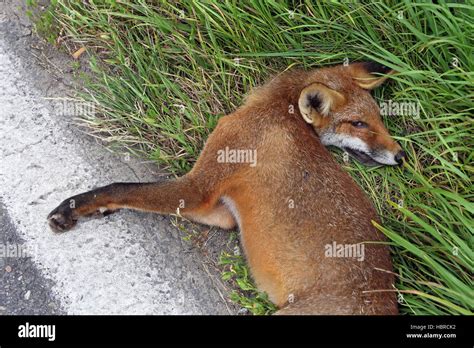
46 25
165 73
245 292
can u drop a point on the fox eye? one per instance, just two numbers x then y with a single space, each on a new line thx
359 124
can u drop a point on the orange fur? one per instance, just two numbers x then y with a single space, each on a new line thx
294 202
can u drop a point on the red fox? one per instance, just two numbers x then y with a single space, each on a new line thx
306 227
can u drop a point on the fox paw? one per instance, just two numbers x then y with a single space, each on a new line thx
61 219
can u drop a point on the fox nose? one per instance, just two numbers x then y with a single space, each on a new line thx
400 156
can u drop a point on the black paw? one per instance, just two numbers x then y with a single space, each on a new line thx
62 218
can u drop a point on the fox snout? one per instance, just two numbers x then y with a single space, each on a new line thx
386 150
388 157
378 157
400 157
366 151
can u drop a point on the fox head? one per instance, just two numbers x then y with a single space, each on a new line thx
337 103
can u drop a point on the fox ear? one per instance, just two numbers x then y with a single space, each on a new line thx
365 74
317 100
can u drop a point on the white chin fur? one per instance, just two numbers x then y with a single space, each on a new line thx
385 157
342 141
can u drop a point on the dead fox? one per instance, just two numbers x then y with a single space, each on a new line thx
266 169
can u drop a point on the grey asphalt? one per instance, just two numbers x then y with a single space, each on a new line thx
126 263
23 289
